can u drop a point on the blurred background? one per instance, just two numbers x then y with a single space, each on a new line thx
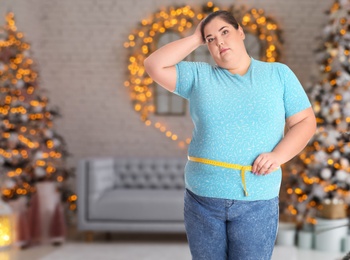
73 90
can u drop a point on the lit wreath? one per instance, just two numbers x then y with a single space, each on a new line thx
144 40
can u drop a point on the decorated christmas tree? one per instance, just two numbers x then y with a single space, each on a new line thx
30 149
322 172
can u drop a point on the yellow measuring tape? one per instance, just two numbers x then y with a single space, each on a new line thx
242 168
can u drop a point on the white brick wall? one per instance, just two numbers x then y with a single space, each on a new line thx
78 46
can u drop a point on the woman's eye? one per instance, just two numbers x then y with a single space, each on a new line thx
210 40
225 32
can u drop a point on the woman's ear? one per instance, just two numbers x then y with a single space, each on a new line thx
241 32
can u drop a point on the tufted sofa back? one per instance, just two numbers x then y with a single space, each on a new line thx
160 173
133 173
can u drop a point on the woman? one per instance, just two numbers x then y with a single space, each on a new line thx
240 109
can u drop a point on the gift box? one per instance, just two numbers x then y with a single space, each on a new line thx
332 209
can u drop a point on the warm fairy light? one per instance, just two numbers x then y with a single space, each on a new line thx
73 198
40 163
298 191
338 97
182 144
292 210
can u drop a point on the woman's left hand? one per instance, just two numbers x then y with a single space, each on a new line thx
265 163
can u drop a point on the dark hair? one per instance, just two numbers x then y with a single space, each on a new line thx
224 15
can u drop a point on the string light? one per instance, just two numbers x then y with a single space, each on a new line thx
181 19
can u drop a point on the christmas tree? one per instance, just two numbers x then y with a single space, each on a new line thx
30 149
322 170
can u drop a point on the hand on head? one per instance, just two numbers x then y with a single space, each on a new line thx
197 33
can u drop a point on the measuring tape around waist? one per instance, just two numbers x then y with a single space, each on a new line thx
242 168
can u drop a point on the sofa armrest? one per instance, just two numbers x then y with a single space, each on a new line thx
101 176
95 176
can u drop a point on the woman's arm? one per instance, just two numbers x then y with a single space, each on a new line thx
160 65
300 128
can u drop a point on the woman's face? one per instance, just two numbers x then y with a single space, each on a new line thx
225 43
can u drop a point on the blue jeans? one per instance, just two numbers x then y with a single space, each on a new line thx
221 229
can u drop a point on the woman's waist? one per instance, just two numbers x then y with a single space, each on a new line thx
230 167
226 165
204 177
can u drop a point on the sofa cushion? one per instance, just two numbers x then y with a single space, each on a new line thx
138 205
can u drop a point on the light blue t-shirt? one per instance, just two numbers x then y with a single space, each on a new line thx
236 118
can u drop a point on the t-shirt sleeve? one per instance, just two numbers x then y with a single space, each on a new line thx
185 78
295 98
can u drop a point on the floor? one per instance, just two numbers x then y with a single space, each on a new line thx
140 250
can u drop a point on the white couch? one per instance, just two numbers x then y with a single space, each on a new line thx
131 194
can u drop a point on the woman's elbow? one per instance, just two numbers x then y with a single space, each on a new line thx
151 67
313 124
147 64
311 121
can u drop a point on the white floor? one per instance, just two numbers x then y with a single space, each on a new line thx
141 251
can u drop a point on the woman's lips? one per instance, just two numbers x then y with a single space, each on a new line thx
223 50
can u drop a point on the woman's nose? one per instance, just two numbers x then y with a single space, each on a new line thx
219 42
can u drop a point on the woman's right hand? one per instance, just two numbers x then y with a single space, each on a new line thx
197 33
